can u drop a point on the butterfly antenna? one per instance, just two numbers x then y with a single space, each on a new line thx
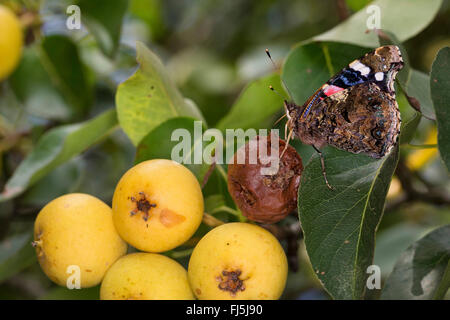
279 94
276 68
270 58
281 118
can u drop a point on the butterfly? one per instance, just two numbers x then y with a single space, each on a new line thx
355 110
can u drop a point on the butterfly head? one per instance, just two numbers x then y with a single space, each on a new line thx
292 111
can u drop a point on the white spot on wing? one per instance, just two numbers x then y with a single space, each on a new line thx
365 71
379 76
358 66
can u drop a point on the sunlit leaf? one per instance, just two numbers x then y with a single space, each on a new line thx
404 18
158 144
255 104
149 97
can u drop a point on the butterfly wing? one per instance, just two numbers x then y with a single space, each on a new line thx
363 119
379 66
356 109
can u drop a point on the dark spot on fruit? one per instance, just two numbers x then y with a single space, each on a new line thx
142 205
198 291
230 281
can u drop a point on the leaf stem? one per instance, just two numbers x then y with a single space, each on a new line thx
327 56
181 253
421 146
211 221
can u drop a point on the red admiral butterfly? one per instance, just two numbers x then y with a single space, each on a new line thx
355 110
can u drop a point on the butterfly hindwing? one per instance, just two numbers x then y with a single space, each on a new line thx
363 119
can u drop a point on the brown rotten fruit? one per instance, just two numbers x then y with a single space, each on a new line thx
262 197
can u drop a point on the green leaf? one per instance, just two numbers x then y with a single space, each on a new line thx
415 87
60 57
16 253
356 5
50 80
104 19
392 241
56 147
158 144
214 202
339 225
423 270
404 18
149 97
440 93
419 88
34 89
309 66
408 128
151 12
255 104
61 293
52 186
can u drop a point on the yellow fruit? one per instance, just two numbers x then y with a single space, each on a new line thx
146 276
75 235
157 205
11 41
238 261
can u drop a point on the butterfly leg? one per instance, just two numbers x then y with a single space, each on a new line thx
287 142
324 173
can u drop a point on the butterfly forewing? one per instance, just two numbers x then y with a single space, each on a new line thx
356 109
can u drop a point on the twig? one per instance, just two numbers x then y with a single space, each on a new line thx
211 220
342 10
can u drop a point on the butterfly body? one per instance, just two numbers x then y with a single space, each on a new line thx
356 109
